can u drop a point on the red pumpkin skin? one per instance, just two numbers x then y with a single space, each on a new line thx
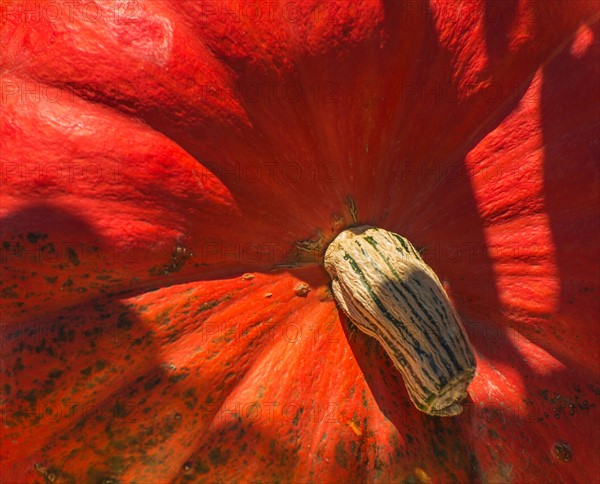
152 156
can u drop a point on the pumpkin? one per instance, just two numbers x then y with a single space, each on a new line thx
172 174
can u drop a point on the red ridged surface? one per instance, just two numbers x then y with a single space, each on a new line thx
155 152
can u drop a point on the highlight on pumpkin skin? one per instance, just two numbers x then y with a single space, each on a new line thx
382 284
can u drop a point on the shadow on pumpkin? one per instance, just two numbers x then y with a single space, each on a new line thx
148 385
40 260
74 385
53 257
88 394
74 381
570 126
241 442
422 438
499 18
473 288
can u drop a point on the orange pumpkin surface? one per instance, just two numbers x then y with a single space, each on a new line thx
172 171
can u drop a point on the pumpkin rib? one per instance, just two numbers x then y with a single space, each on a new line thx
499 112
545 413
112 229
150 333
537 241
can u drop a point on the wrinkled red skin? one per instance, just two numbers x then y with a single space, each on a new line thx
166 148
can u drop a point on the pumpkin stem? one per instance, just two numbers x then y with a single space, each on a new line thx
382 284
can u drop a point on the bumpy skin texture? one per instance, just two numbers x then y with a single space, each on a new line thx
154 153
